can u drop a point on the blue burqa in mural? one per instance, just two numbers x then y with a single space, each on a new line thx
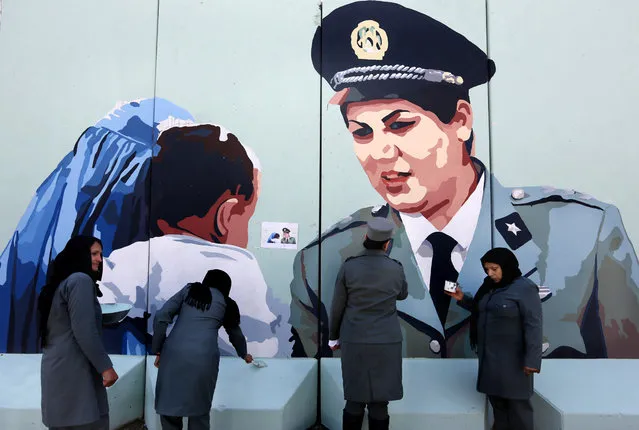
100 188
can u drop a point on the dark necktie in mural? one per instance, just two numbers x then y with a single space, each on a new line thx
442 271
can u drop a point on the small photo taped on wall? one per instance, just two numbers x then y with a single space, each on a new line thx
279 235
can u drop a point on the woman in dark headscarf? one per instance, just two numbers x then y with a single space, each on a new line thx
75 368
190 356
506 333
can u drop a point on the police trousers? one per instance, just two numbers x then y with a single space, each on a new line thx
511 414
376 410
202 422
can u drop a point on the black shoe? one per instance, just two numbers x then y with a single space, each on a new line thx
351 422
374 424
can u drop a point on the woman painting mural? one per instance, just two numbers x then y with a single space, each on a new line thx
188 359
506 333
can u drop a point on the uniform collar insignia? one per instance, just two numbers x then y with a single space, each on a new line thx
513 230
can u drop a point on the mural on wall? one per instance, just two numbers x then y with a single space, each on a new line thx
405 100
401 84
170 199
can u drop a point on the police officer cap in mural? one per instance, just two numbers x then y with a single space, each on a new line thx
385 50
402 81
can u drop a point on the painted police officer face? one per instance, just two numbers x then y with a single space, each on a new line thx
411 158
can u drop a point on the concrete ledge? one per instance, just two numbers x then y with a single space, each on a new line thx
282 396
587 395
438 394
126 397
20 393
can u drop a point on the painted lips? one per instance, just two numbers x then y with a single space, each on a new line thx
395 178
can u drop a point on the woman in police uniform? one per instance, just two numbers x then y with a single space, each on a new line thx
505 330
190 356
364 324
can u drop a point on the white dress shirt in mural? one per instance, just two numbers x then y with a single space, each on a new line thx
167 263
461 228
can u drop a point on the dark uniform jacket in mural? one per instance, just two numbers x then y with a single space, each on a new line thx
572 246
509 338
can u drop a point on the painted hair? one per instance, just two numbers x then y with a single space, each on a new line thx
196 166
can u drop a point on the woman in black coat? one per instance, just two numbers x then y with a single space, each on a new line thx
506 333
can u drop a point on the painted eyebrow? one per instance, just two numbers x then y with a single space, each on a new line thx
361 124
386 118
392 114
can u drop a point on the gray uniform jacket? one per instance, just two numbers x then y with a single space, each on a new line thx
364 319
570 244
509 338
190 357
74 358
364 302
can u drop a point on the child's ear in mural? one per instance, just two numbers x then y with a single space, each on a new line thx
233 218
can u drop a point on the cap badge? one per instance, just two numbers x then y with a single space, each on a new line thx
369 41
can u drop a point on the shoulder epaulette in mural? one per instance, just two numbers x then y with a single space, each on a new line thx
539 195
